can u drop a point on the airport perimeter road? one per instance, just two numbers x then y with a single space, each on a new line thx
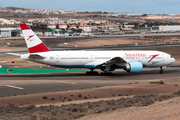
40 83
151 34
128 47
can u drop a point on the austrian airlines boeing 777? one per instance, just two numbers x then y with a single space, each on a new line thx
107 61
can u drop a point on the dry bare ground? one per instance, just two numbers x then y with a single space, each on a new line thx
132 102
166 110
95 42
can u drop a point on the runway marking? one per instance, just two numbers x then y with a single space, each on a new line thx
67 82
15 87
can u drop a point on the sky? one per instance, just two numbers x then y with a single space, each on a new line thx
118 6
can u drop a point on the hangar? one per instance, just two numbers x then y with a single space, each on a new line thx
10 32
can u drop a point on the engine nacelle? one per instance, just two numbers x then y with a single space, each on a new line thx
134 67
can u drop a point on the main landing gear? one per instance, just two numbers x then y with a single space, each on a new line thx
96 73
92 72
161 71
106 73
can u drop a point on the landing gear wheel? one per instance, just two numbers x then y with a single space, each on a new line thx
161 71
96 73
91 73
106 73
87 73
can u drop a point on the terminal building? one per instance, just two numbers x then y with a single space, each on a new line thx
10 32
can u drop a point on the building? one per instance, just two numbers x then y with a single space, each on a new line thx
51 26
62 26
54 26
10 32
86 28
170 28
52 32
165 28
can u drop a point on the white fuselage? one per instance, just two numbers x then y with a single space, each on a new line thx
90 59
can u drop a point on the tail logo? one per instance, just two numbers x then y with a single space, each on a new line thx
153 56
30 37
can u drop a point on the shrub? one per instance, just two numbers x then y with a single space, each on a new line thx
79 95
45 97
52 98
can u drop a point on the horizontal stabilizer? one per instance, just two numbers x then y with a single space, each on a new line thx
16 54
36 56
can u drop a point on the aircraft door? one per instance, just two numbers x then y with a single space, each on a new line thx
163 57
91 58
57 58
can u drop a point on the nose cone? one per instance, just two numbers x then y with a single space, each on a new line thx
173 60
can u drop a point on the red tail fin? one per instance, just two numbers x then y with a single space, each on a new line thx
34 44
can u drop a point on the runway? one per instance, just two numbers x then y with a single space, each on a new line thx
19 84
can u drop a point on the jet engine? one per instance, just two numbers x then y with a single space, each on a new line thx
133 67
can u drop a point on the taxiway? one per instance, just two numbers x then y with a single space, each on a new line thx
19 84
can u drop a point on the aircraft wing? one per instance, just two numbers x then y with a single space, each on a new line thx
114 61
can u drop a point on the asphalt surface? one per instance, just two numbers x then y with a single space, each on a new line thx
40 83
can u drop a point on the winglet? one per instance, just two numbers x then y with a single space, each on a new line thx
33 42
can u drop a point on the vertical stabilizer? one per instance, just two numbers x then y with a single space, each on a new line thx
33 42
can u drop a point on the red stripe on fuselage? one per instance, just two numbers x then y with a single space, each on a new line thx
24 26
153 56
38 48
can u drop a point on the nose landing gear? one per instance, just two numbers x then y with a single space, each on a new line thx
161 70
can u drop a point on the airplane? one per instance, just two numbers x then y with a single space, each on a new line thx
88 35
107 61
59 35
